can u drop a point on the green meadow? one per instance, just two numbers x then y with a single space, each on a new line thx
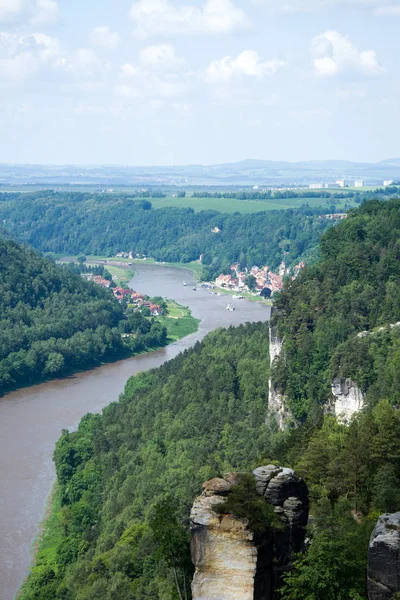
228 205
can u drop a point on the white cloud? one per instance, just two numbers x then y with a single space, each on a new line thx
84 62
45 11
9 9
22 56
248 63
335 53
104 37
378 7
32 11
155 76
155 17
161 57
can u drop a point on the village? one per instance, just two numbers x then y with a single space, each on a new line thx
257 279
136 299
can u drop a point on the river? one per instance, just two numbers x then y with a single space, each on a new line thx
31 419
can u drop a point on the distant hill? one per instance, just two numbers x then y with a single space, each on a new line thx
245 172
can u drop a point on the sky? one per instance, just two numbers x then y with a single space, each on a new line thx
168 82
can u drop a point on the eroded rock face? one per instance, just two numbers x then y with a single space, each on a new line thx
348 399
234 563
276 401
384 559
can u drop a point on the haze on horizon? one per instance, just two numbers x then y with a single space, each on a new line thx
162 82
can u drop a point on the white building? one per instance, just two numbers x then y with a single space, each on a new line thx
388 182
332 186
340 182
359 183
316 186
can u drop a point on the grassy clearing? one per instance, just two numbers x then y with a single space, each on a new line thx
120 275
179 321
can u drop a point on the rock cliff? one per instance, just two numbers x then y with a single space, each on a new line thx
348 399
232 561
276 401
384 559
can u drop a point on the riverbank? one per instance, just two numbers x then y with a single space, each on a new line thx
195 266
44 548
31 420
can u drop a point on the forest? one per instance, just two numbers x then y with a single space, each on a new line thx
52 322
125 476
173 428
102 225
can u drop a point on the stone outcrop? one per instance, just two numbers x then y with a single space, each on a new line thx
348 399
233 562
384 559
276 401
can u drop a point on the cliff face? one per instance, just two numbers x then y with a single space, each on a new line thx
384 559
276 402
234 563
348 399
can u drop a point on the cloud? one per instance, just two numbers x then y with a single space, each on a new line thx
83 62
9 9
378 7
45 11
22 56
334 53
163 17
155 76
33 11
248 63
161 57
104 37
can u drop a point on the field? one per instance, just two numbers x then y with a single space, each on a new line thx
227 205
120 274
179 322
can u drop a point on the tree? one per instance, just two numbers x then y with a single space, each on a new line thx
266 292
334 566
81 259
251 282
173 542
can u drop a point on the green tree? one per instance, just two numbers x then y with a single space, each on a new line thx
173 543
251 282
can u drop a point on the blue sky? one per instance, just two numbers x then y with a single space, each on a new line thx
198 81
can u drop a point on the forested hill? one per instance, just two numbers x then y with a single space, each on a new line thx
126 479
354 288
51 320
74 223
201 414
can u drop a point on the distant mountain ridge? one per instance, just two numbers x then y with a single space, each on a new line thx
246 172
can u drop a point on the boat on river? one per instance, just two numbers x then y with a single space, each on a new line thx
230 307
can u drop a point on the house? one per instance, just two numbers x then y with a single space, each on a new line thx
101 281
120 293
223 280
136 297
155 310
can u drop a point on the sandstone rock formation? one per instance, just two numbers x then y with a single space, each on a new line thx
276 402
384 559
233 562
348 399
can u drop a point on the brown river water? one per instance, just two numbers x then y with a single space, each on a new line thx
31 419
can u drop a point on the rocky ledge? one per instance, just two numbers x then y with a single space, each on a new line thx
232 561
384 559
